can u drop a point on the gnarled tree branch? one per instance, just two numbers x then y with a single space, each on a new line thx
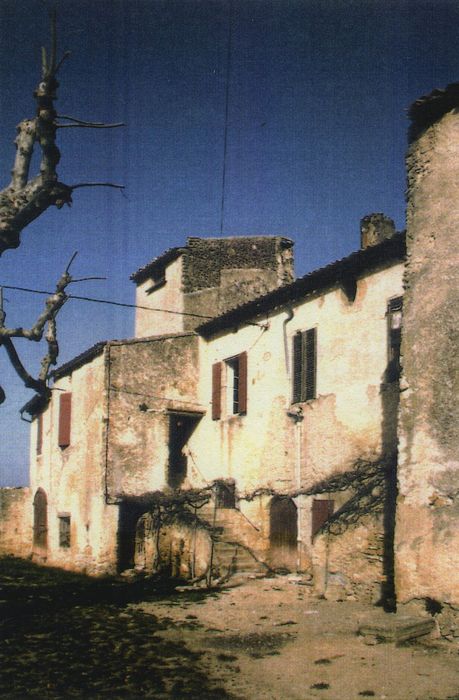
26 198
46 320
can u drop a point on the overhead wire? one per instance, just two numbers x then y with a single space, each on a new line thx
110 302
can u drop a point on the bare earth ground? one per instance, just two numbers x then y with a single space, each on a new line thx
66 636
271 639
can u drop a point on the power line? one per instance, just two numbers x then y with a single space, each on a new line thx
225 140
106 301
116 303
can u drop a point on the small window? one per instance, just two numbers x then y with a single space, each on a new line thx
65 416
394 317
157 280
64 530
234 392
304 365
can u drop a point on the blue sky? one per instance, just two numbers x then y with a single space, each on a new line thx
318 91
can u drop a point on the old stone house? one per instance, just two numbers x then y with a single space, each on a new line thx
253 421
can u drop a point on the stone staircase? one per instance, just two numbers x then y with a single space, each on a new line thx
236 544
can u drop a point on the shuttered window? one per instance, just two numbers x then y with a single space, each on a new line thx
242 384
39 433
235 394
304 365
65 418
321 511
216 391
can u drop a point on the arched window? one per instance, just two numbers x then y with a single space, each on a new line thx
40 519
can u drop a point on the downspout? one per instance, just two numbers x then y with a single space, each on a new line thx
290 315
297 416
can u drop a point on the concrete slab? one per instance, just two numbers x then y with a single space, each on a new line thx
392 627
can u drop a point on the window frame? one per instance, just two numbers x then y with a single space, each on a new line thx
229 399
64 520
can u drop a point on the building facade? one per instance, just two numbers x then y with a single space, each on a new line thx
256 421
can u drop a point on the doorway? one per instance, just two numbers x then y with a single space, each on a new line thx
181 427
283 532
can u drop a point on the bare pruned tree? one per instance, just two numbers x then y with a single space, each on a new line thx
27 197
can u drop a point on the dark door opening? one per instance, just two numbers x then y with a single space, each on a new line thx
283 532
181 427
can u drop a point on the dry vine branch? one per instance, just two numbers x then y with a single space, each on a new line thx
26 198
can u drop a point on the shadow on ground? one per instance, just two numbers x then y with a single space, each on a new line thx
63 635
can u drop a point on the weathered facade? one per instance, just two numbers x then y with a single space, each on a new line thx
256 421
427 534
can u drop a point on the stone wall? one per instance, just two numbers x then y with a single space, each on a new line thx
149 380
207 257
15 522
427 533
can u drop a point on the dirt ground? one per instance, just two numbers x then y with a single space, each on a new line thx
66 636
272 639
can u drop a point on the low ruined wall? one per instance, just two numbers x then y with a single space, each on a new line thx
350 565
178 549
15 522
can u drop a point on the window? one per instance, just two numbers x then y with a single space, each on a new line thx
158 280
65 415
304 365
39 433
394 316
235 389
64 529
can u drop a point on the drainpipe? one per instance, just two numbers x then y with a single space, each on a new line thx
290 315
297 415
298 438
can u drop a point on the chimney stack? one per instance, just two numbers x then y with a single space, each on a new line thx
374 229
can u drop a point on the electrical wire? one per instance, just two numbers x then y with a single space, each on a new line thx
106 301
225 139
116 303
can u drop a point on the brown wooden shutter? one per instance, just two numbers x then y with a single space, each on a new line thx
65 416
216 391
39 433
321 511
297 363
242 358
310 349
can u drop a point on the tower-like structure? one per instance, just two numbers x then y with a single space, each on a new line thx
186 286
427 525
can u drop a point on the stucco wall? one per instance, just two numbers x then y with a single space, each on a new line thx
353 416
427 533
73 478
168 296
15 522
148 379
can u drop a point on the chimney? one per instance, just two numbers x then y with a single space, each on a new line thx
374 229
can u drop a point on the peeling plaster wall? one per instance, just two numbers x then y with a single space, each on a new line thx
168 296
427 533
74 478
159 374
353 417
15 522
